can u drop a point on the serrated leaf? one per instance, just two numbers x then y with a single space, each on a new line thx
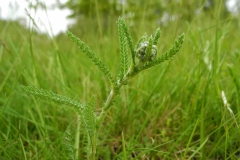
90 118
168 55
123 51
91 55
128 38
156 36
42 93
142 39
149 48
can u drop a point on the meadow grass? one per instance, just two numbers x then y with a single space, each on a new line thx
172 111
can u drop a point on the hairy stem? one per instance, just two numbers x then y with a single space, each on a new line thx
112 95
107 106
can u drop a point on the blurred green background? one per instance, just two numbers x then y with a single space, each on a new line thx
173 111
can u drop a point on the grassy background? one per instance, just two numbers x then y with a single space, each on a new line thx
173 111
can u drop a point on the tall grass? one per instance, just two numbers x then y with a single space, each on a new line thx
173 111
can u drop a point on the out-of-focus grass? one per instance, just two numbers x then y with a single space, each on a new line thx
174 111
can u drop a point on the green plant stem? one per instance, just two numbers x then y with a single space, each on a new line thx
107 106
94 147
132 71
77 138
100 119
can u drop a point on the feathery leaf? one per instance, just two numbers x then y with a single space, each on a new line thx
168 55
52 96
142 39
91 55
68 143
156 36
123 51
128 38
90 118
90 121
149 49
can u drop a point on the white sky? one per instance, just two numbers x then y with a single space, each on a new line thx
13 9
232 5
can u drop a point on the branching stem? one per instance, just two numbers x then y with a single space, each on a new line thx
145 51
112 95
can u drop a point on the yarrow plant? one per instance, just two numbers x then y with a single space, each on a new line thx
143 56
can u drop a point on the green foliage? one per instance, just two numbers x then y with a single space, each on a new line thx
129 40
90 123
91 55
149 9
141 40
147 51
123 50
159 115
53 96
156 36
68 143
168 55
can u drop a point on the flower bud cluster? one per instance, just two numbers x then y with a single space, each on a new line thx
141 52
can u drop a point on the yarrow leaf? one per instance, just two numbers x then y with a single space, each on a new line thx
52 96
128 38
168 55
91 55
149 49
142 39
90 118
90 121
123 50
156 36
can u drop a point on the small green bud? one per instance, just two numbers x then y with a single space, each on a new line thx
142 49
